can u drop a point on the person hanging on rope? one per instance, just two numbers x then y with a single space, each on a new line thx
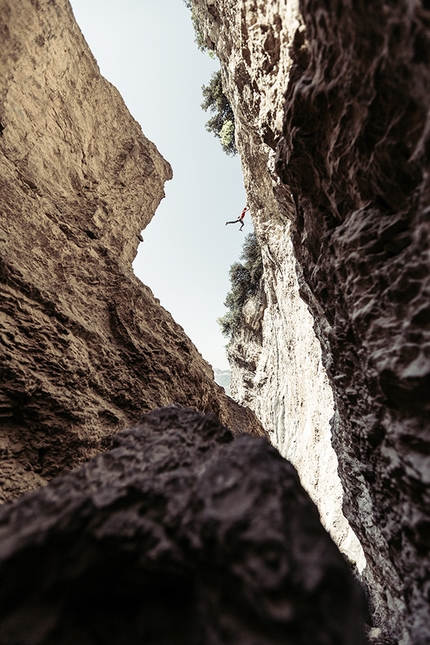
240 218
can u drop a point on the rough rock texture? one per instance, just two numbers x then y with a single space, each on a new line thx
355 165
85 347
177 535
356 154
276 358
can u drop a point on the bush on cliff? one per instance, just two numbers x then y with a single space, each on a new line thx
245 279
200 38
222 122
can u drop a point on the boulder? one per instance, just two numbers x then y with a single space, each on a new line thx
178 534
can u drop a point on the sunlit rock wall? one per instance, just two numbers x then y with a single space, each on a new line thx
276 358
85 347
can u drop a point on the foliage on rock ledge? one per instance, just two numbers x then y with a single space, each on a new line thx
245 281
200 38
222 122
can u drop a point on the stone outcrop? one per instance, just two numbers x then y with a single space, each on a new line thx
354 206
179 535
356 155
85 347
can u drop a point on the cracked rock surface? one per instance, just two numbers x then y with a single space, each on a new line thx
353 207
356 153
276 357
85 348
179 534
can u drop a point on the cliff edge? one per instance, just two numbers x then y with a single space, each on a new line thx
276 359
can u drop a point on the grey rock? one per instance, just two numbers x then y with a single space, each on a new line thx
353 207
178 535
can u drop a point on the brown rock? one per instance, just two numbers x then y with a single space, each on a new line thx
178 535
85 347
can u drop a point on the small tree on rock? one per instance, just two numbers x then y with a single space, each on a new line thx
222 122
245 281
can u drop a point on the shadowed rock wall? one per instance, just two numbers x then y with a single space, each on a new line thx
356 154
178 535
85 348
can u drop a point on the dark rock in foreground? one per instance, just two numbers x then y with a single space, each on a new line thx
179 534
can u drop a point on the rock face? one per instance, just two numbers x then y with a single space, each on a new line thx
85 347
354 161
177 535
356 153
276 358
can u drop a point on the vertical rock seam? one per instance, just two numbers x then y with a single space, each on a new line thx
85 348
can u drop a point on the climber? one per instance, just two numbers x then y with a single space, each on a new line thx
240 218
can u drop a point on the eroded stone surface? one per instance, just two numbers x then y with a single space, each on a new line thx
355 203
179 535
356 155
85 347
276 357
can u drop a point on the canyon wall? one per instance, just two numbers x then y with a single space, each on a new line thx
178 533
334 349
276 357
356 155
85 347
353 204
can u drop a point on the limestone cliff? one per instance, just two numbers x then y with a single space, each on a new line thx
276 357
85 347
353 204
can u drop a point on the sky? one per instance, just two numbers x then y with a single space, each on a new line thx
147 50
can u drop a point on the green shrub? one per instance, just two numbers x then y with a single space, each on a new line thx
199 34
227 135
245 279
222 122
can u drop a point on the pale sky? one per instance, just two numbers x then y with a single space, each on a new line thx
146 49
